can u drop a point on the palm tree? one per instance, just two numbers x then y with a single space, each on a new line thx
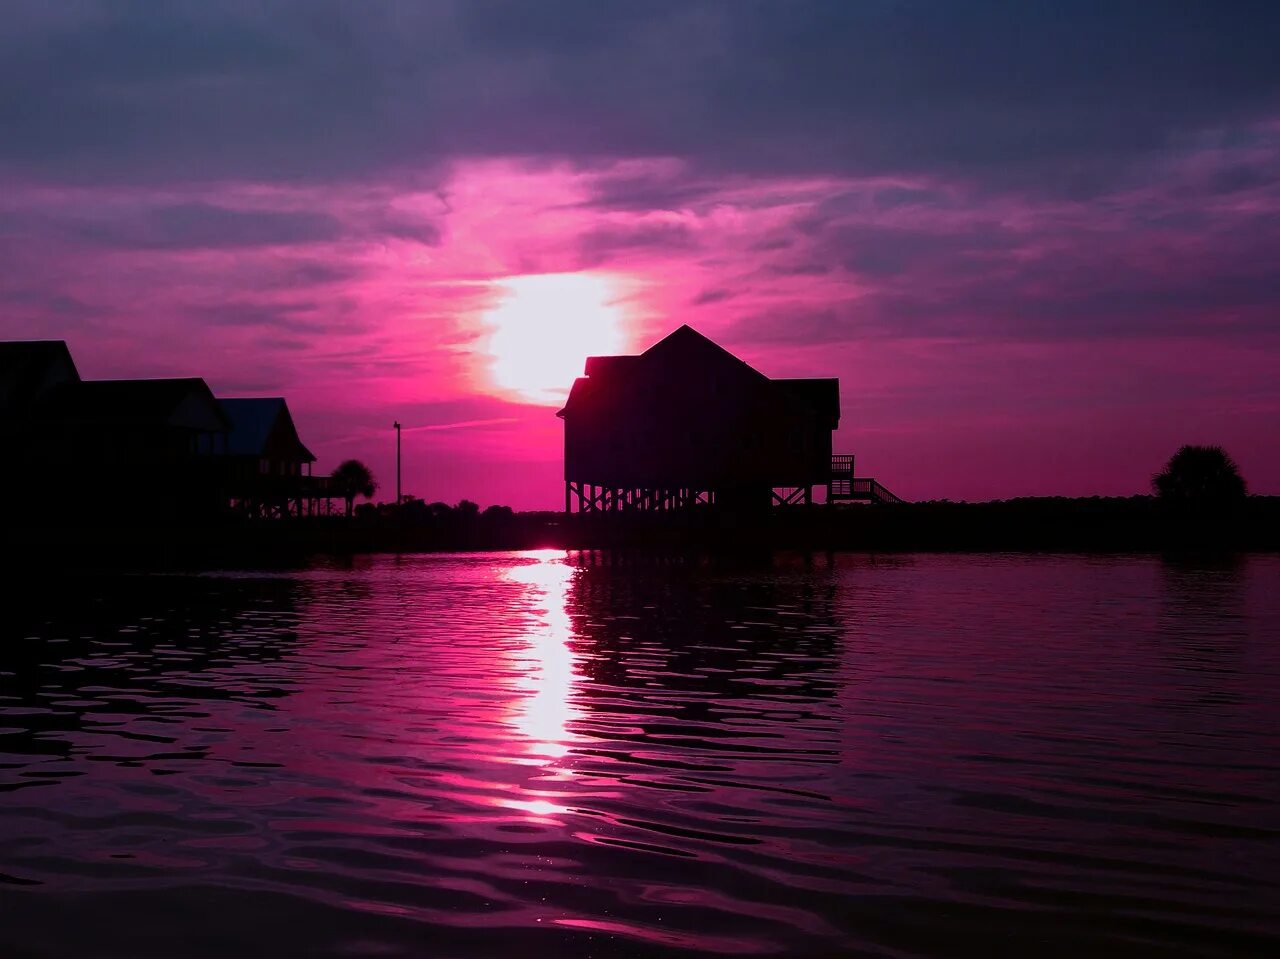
351 479
1200 476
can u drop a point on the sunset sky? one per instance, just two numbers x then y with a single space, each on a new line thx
1039 242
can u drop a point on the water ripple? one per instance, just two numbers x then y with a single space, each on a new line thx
453 755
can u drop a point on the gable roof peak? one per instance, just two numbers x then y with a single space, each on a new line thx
687 338
683 332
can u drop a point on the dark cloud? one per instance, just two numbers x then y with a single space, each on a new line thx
415 229
802 326
631 192
1102 293
1105 294
707 297
801 267
209 226
1239 178
285 343
1038 95
1147 265
603 244
40 307
299 274
879 251
135 223
329 316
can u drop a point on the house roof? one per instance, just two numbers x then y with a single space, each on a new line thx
685 341
252 420
609 365
686 348
27 367
263 426
186 402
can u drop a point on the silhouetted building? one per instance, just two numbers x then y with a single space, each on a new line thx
687 423
263 439
266 467
128 422
29 370
151 448
144 446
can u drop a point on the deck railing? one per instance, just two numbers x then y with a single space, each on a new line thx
317 485
274 486
843 485
873 490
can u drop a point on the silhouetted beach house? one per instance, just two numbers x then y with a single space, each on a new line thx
267 467
29 370
121 424
686 423
154 447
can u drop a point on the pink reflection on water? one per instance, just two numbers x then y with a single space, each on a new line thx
542 717
538 808
727 945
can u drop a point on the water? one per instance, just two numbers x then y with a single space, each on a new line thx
469 755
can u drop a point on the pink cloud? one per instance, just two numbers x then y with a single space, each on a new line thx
988 345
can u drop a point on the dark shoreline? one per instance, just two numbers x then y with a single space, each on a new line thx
1097 525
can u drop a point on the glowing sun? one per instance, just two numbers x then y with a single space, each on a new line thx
544 327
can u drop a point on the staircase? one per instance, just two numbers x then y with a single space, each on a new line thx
844 487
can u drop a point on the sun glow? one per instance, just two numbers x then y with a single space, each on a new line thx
546 325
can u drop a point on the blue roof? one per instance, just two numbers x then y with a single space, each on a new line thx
254 421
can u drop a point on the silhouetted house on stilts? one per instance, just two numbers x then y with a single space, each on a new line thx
86 450
266 469
687 423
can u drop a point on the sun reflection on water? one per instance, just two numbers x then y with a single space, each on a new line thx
543 716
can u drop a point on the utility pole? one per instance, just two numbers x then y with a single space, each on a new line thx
397 428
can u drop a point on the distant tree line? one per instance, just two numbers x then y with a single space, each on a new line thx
1195 477
412 511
